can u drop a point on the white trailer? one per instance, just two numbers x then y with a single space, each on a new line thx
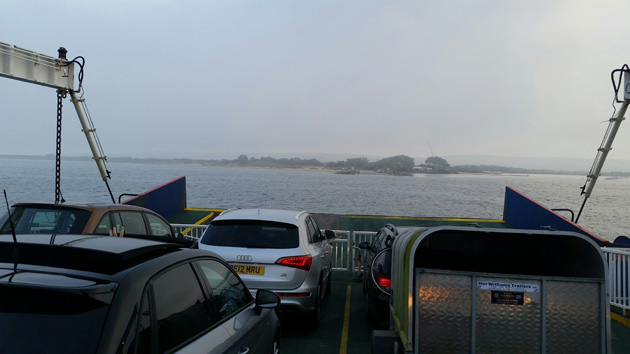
479 290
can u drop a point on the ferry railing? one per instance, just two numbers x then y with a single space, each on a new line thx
341 250
345 249
190 231
618 275
358 255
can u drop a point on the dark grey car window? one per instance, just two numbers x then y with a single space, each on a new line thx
181 309
230 294
60 322
143 334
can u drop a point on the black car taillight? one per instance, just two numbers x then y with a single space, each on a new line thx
383 280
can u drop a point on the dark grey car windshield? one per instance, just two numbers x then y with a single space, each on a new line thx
251 234
27 220
42 321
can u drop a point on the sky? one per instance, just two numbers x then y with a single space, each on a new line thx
216 79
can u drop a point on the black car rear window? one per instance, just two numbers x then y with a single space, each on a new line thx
35 320
28 220
251 234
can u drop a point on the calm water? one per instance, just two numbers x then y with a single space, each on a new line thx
476 196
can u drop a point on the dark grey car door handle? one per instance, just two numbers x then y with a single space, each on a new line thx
244 350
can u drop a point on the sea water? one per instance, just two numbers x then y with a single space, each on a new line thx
606 213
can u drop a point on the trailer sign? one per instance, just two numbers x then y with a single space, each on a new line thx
503 286
507 298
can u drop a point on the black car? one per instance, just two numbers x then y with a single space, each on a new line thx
102 294
377 274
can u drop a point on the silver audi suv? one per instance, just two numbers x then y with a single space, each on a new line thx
278 250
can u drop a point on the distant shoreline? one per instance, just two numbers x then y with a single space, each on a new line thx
497 170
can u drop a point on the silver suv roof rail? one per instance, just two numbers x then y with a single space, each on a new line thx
228 210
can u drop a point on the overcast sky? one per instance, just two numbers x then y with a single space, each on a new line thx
199 79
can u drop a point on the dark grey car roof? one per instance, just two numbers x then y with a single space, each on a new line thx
88 253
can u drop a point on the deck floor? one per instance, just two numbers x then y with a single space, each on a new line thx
336 336
331 333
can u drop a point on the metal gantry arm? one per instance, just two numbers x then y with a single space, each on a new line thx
28 66
604 149
25 65
87 126
90 134
609 137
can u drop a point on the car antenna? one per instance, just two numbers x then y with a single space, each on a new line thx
6 200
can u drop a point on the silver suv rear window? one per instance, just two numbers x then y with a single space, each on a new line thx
251 234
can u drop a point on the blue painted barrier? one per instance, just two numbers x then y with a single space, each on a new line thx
166 200
521 212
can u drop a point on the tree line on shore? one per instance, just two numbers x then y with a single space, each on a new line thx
398 163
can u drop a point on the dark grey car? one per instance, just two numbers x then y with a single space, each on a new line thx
101 294
377 275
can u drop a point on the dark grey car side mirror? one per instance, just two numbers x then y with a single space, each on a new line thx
267 299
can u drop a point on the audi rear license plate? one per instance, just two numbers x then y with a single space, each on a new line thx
249 269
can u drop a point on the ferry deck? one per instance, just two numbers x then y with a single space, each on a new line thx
343 327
